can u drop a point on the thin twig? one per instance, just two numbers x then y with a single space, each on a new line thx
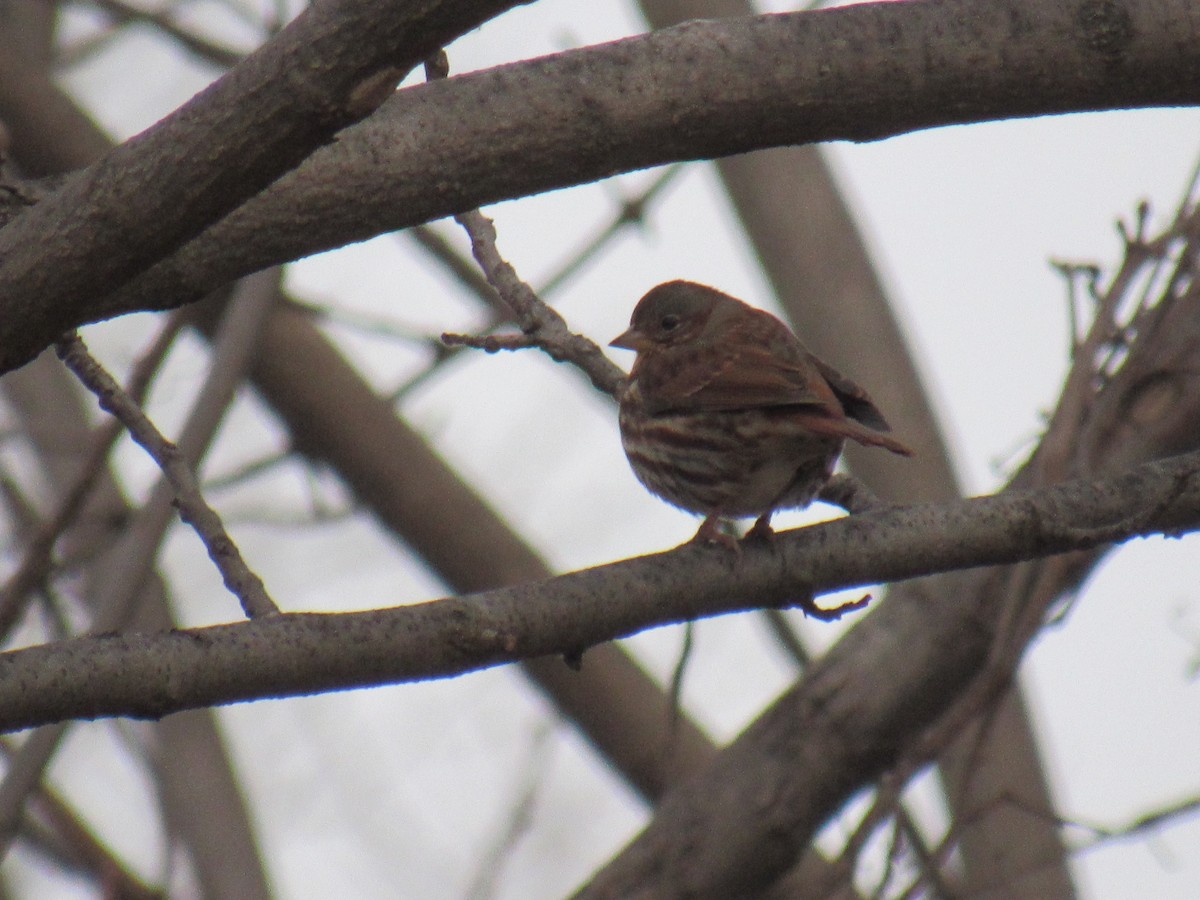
1032 585
22 777
1101 834
35 562
792 644
547 329
1098 835
487 878
118 594
675 691
367 324
630 213
543 325
208 50
464 271
249 470
193 509
787 638
85 853
491 343
895 847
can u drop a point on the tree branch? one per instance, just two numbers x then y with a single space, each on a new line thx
856 73
37 554
329 68
151 675
542 326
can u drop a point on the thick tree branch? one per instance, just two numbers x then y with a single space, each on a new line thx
329 68
856 73
151 675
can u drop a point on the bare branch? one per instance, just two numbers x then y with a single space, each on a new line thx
1149 821
74 844
541 325
35 561
941 650
631 211
396 475
494 343
483 885
155 674
193 508
25 771
908 66
202 47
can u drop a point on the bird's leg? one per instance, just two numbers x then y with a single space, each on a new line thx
762 530
710 532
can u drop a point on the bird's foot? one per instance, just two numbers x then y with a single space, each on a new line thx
710 533
761 530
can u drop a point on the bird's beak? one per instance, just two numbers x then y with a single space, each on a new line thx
630 340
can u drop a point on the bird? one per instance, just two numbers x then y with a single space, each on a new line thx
725 413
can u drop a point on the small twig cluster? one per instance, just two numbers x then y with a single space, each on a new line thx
541 326
1123 312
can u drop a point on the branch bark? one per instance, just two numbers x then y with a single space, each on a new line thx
195 772
201 798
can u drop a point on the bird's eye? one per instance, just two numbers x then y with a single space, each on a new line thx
669 322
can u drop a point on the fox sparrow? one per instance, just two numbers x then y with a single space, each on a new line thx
725 412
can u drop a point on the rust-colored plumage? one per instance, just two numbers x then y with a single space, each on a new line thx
726 414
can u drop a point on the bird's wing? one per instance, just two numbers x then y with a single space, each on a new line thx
742 378
853 398
754 377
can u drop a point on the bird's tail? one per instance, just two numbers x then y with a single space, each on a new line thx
848 428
